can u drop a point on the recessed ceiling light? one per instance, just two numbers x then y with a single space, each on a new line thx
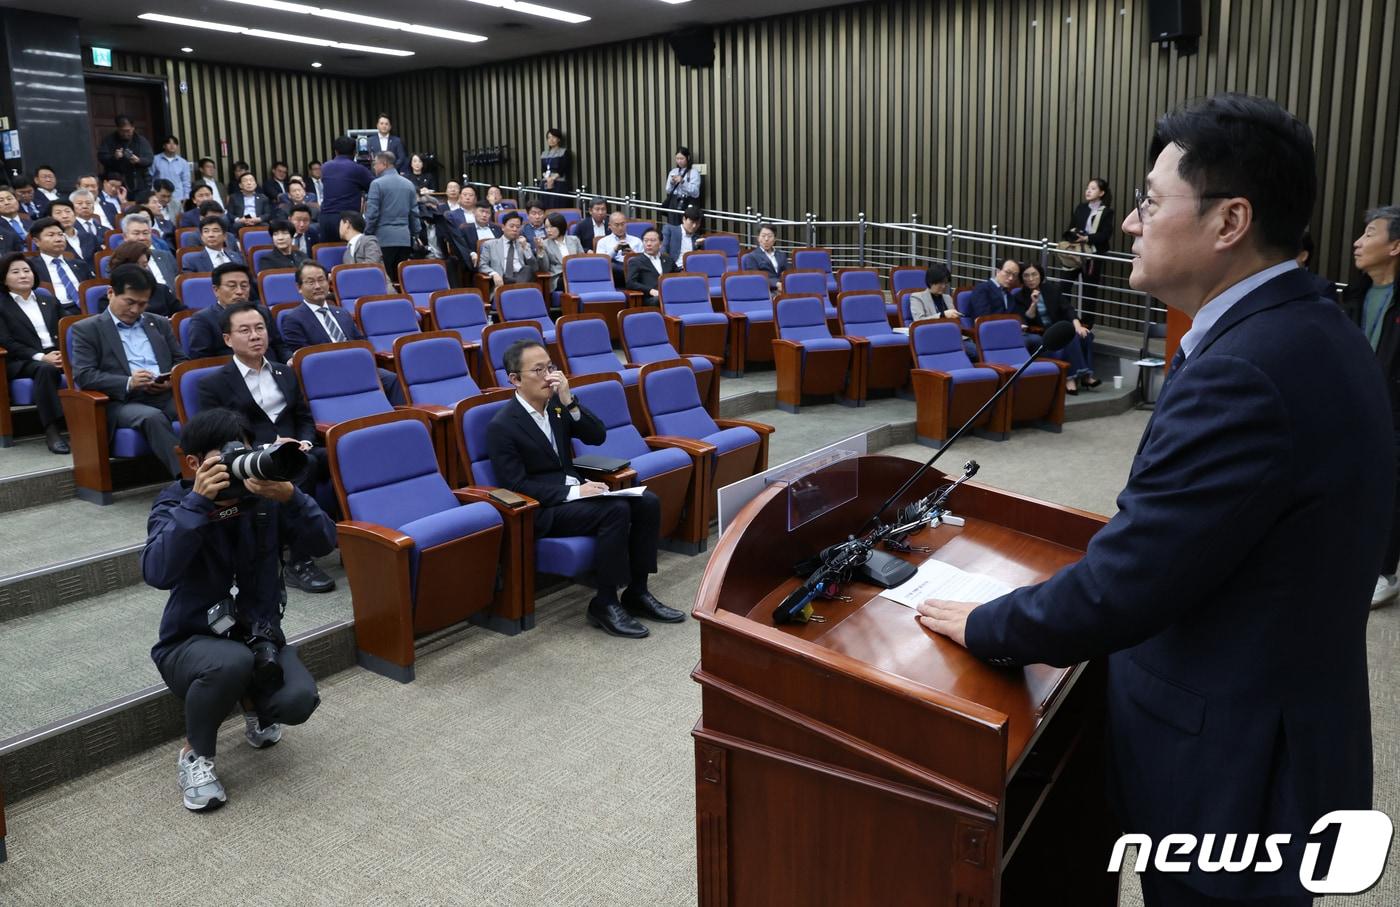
274 35
315 65
534 9
187 50
360 19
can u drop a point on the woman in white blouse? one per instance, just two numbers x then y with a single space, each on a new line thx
682 185
555 245
29 333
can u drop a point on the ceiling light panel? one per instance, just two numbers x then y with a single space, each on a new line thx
361 19
272 35
534 9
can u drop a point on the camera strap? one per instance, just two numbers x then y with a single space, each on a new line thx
263 549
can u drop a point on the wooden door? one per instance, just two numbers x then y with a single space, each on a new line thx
138 100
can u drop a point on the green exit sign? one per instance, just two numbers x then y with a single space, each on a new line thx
102 56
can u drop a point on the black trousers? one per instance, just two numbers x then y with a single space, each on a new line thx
393 255
151 415
46 378
211 674
1392 549
1161 890
626 529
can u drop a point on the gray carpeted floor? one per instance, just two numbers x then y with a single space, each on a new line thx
553 768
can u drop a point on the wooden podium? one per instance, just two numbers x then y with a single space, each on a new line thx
865 760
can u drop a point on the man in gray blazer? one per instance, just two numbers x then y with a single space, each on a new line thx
508 258
127 354
360 247
391 212
137 228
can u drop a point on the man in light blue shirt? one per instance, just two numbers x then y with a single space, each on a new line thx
169 165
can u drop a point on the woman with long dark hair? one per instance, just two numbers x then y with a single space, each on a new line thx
29 333
1091 226
1043 303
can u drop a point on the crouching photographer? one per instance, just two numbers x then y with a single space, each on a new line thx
216 544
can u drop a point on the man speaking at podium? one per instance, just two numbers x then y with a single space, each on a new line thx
1233 585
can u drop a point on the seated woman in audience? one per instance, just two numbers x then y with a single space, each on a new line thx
284 252
29 333
937 302
1043 304
555 166
163 299
555 245
421 178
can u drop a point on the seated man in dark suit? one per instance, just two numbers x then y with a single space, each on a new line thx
82 244
233 283
127 354
305 233
767 258
14 225
54 265
594 226
993 296
530 444
284 252
268 396
249 207
318 321
687 236
29 333
215 248
644 271
203 205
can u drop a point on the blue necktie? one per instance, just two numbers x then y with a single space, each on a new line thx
67 281
1177 361
18 225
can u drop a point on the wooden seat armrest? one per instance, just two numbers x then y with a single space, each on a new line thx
788 344
434 411
383 536
618 478
92 398
1001 368
761 427
692 446
483 493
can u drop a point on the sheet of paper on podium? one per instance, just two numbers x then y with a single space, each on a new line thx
633 492
937 579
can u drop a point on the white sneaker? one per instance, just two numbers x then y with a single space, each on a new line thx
201 787
1387 587
259 737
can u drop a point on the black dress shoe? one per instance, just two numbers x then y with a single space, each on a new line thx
54 439
644 604
613 620
306 576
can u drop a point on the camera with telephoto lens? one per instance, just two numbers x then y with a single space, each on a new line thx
283 461
265 640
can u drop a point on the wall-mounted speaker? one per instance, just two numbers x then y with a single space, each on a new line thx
1170 20
693 46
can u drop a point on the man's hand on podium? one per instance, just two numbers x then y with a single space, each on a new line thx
946 618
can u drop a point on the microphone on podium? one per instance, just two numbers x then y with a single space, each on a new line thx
857 557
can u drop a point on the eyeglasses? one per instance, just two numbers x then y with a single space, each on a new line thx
1147 204
540 371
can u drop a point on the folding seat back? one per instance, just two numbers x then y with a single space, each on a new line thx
473 417
525 302
196 291
104 264
937 345
185 379
389 474
278 286
340 381
851 280
259 256
182 327
331 255
607 400
747 293
948 388
863 315
433 369
804 283
421 279
384 319
815 259
638 228
671 399
248 237
589 275
93 294
353 281
802 318
186 238
714 265
114 239
587 347
728 245
497 338
571 215
1001 340
460 311
644 336
685 294
907 277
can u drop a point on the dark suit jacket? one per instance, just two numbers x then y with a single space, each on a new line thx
642 276
10 241
757 261
206 337
227 388
522 458
262 206
80 269
987 299
671 240
1057 305
303 328
584 231
99 362
169 267
273 189
313 236
1233 586
199 263
17 334
275 259
1388 349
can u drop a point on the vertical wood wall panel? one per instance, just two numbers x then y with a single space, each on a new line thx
970 112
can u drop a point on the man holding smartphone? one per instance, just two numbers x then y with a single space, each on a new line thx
127 354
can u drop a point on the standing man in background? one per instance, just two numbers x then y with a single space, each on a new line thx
127 154
384 142
391 213
1230 592
170 165
345 184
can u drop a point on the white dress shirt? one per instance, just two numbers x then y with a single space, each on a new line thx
383 142
155 270
687 242
55 264
541 421
75 242
217 257
655 262
772 258
484 232
30 307
610 245
264 388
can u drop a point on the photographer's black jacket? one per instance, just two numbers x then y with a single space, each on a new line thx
197 555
